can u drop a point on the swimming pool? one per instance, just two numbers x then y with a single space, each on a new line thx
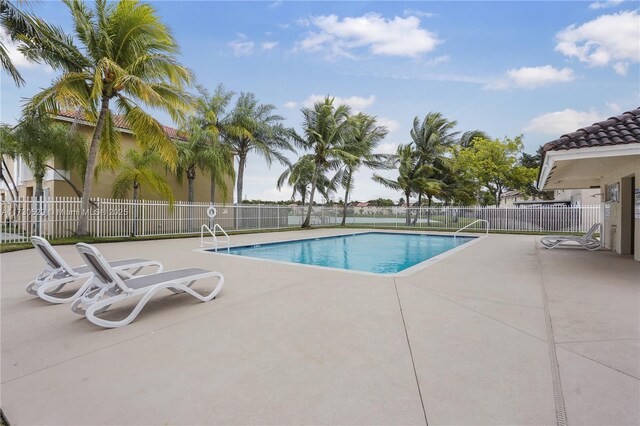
375 252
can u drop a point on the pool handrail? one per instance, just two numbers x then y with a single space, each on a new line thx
213 234
474 222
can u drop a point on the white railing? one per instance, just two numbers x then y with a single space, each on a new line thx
57 218
473 223
213 234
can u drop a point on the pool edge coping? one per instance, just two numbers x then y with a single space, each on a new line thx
405 272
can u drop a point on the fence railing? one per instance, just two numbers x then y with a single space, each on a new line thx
57 217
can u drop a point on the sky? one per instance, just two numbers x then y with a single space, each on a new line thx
537 69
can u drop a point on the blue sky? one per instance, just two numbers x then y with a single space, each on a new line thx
535 68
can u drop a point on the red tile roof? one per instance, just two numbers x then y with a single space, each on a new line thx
121 122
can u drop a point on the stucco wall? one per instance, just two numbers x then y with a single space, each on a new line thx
614 228
102 185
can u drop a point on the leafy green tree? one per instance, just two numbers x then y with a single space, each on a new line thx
259 130
325 131
534 162
494 163
365 137
40 142
128 56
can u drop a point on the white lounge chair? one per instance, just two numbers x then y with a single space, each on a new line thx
588 240
57 273
110 287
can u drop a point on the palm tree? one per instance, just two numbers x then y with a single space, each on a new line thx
211 116
38 142
203 151
412 177
127 55
365 138
326 129
257 129
299 176
137 171
17 23
468 137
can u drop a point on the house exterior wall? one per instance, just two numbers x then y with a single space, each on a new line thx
55 186
618 215
579 197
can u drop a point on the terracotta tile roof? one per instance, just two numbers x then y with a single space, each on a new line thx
620 130
121 122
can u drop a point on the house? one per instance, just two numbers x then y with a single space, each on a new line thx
604 156
55 186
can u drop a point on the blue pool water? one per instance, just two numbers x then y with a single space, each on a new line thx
377 252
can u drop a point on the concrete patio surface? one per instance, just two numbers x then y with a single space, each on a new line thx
501 332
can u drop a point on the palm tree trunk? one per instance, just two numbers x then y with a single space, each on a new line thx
83 218
134 228
190 199
346 200
242 161
4 178
415 220
38 196
429 210
307 221
213 190
408 221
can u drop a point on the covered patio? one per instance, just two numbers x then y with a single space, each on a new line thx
605 155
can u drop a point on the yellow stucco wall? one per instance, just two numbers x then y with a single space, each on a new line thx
102 185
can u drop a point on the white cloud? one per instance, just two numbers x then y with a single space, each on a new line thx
391 125
419 13
357 103
561 122
532 77
268 45
17 58
607 40
614 107
242 47
389 37
605 4
386 148
438 60
275 4
291 104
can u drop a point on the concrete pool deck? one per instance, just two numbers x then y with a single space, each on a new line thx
502 332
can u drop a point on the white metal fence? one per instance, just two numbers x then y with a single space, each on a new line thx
57 217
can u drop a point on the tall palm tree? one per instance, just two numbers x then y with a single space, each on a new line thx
203 151
257 129
432 138
137 171
128 56
325 128
412 177
299 176
212 117
365 137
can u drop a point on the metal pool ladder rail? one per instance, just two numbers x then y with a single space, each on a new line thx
475 221
213 234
